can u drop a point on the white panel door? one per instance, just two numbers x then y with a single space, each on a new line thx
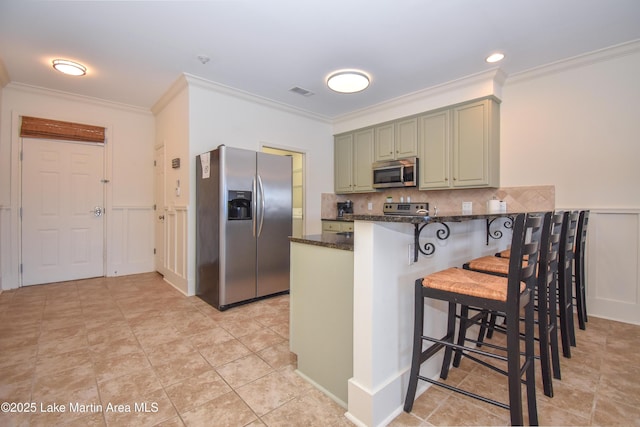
62 211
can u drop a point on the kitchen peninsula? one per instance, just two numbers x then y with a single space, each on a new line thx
366 301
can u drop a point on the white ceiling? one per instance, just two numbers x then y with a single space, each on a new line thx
134 51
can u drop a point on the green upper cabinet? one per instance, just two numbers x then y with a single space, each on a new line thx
435 139
353 156
460 147
396 140
343 163
457 147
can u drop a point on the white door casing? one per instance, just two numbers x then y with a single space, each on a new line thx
62 211
159 210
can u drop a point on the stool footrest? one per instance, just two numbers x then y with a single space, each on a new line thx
464 392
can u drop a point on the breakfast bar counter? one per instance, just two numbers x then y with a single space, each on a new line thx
352 301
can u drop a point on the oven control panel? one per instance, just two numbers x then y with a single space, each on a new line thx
415 209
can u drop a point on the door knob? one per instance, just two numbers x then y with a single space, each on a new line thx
97 211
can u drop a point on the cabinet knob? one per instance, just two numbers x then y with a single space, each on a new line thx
446 179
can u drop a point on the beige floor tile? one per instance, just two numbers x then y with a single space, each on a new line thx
267 393
228 351
46 364
243 371
261 339
226 410
240 328
130 386
210 337
192 392
278 356
112 367
310 409
458 411
164 353
180 368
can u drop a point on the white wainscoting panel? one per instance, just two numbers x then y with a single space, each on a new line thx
131 242
175 247
613 264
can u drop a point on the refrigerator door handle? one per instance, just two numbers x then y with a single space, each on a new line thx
262 207
254 202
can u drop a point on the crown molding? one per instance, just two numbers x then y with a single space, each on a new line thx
22 87
176 87
493 79
189 80
596 56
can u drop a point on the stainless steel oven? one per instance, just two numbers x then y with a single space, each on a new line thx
395 173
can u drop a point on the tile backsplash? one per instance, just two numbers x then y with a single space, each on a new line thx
533 198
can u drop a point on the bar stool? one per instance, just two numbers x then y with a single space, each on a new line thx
545 298
565 268
503 294
564 294
579 269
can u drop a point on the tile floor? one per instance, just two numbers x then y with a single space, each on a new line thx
91 345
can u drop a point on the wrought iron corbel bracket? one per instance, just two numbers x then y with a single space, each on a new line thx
429 248
497 234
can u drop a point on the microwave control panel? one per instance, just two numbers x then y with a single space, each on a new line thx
415 209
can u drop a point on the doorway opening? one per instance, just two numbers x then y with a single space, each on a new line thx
298 196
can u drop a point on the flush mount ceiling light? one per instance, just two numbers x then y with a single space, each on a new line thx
69 67
495 57
348 81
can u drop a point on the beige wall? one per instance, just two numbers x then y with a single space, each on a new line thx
576 126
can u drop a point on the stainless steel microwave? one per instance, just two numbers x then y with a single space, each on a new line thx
396 173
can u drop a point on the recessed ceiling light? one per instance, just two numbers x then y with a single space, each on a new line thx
69 67
348 81
495 57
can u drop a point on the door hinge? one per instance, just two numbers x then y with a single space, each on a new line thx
154 163
20 212
154 207
21 155
104 181
20 268
154 251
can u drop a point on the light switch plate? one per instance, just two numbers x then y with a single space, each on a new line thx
370 206
467 207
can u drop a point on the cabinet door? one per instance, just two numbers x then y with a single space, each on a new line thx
406 139
384 143
434 142
362 160
343 163
471 145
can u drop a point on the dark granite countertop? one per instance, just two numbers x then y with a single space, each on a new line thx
343 241
440 217
341 219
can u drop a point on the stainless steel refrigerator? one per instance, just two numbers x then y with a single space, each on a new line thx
243 224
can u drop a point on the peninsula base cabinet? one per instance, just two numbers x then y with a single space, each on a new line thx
459 147
321 317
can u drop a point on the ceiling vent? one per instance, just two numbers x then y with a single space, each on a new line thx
301 91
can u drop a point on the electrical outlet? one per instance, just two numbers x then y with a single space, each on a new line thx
467 207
